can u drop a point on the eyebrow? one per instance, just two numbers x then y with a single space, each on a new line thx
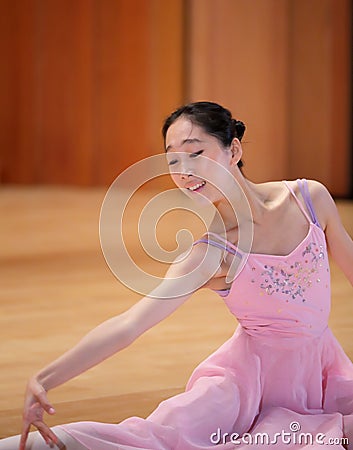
186 141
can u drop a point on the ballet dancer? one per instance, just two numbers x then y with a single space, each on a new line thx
282 372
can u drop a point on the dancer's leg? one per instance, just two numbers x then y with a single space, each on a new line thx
36 442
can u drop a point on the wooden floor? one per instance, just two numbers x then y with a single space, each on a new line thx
55 286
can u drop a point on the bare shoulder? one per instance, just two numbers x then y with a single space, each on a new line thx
321 198
317 189
339 242
324 205
202 259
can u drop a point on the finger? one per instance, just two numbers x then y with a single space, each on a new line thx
24 436
44 402
40 394
47 434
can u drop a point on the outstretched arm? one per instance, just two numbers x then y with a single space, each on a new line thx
115 334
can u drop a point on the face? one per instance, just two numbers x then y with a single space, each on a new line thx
198 162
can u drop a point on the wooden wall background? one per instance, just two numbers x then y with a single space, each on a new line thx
85 84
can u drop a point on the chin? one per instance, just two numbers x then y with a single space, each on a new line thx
199 199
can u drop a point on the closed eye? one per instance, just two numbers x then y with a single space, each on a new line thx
193 155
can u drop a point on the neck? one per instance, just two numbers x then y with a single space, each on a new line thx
246 205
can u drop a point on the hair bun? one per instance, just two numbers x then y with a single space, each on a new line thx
239 129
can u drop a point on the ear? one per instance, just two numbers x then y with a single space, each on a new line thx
236 151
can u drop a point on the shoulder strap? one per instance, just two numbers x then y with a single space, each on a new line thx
298 201
304 190
224 245
208 241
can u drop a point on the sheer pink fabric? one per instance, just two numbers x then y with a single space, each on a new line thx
282 371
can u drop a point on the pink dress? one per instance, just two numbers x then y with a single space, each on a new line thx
281 381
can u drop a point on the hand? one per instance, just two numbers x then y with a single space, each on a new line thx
36 403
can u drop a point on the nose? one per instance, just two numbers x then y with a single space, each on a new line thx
185 175
185 168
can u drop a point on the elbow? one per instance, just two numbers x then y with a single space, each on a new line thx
129 331
112 335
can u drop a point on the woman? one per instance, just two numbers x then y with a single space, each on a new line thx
282 371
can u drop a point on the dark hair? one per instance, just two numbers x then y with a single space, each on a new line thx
213 118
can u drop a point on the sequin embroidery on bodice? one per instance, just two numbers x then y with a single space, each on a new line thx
282 366
287 295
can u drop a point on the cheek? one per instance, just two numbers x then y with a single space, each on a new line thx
175 178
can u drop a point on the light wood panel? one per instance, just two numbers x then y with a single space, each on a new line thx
55 286
86 86
320 95
341 170
239 58
283 67
7 81
138 80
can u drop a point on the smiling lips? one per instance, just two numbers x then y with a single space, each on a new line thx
195 187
